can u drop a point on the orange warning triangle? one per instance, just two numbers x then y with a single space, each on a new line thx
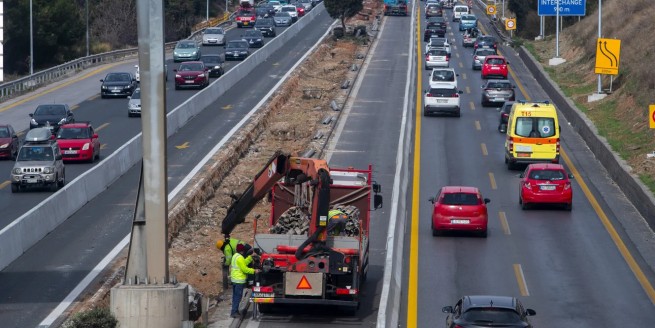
304 284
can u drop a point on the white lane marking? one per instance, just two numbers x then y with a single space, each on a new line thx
105 261
395 195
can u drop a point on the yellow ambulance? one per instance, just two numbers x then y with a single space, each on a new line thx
533 134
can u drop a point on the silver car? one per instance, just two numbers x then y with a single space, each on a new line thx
213 36
134 105
479 55
283 18
39 163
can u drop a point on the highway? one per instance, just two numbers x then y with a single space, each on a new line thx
568 266
34 284
109 118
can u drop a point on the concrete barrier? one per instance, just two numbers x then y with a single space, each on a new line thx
641 198
32 226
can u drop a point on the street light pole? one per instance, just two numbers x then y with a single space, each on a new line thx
31 43
207 19
87 28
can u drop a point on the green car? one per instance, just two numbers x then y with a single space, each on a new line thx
186 50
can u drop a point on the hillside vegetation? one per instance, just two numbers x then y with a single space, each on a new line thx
622 117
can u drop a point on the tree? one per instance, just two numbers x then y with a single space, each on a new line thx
342 9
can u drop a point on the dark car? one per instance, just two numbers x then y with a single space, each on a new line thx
485 41
264 11
51 116
254 37
266 26
191 74
504 116
9 143
237 50
214 64
120 84
435 26
497 91
488 311
433 10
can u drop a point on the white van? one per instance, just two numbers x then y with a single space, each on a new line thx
458 11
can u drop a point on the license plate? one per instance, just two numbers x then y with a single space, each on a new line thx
459 221
499 99
115 91
236 55
547 187
493 67
442 101
524 148
263 295
188 82
522 154
245 23
32 180
70 152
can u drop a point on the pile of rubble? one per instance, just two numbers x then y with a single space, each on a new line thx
295 221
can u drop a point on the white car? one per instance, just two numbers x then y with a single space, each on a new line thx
213 36
276 5
443 78
437 57
137 75
134 105
441 101
479 55
292 10
437 42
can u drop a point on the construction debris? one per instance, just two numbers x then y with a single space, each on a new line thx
292 222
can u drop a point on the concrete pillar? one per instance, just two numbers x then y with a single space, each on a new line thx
147 306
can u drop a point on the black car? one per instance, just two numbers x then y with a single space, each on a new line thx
266 26
488 311
504 116
121 84
237 50
254 37
51 116
485 41
264 11
215 64
436 26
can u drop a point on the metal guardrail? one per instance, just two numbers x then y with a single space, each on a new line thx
27 84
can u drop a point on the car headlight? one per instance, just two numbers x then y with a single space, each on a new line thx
201 75
259 40
4 146
63 121
217 67
104 87
244 52
33 122
194 53
86 146
175 53
17 170
178 76
48 170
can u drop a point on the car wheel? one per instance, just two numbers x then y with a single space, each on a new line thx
458 113
15 188
62 183
55 185
483 233
177 87
425 112
568 206
510 165
525 206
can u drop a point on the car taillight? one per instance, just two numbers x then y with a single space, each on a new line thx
505 115
262 289
475 57
346 291
427 57
510 145
455 95
429 95
527 185
447 57
557 145
567 186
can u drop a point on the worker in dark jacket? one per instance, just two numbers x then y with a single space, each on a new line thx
337 224
229 248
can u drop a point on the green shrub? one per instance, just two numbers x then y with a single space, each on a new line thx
95 318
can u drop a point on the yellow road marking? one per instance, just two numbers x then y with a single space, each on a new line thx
492 180
4 184
461 65
520 278
65 84
627 256
477 125
20 134
183 146
412 294
74 107
457 54
472 105
484 149
464 76
468 90
102 126
103 146
504 223
227 107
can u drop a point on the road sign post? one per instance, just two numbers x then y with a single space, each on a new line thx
608 56
566 8
491 9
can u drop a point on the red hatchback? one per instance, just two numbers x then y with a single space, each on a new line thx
494 66
9 143
78 142
191 74
459 208
547 184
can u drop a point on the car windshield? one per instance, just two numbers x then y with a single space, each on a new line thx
252 33
35 154
489 39
214 31
136 94
190 67
289 9
73 133
211 59
499 85
491 315
274 3
442 92
485 52
186 45
118 77
282 14
437 52
535 127
245 13
264 22
547 175
442 75
236 44
50 110
439 42
496 61
459 198
468 17
4 132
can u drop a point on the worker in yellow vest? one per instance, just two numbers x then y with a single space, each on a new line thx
228 247
337 223
238 273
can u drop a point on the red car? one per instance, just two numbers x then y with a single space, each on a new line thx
191 74
459 208
545 183
78 142
494 66
9 143
301 10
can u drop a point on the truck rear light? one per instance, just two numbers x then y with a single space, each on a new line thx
557 145
510 145
262 289
346 291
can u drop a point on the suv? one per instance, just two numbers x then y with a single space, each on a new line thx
51 116
39 163
266 26
442 100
